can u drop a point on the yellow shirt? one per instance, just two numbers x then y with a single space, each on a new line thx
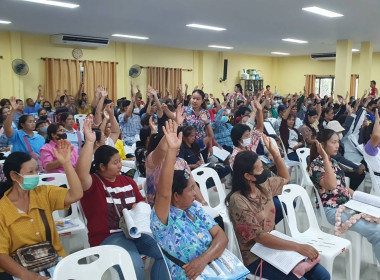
18 230
119 145
86 111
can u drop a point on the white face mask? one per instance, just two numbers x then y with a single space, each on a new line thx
136 110
340 136
246 142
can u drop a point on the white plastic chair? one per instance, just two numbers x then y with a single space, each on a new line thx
58 179
306 182
80 119
108 256
201 175
271 120
328 245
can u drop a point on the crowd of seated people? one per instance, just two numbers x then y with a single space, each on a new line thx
173 134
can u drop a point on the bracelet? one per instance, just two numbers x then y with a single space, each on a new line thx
206 124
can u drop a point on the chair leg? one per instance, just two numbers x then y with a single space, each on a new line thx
350 266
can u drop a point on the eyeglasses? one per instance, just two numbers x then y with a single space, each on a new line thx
61 130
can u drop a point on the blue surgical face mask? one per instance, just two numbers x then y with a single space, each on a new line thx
304 108
309 102
224 119
209 106
44 129
30 182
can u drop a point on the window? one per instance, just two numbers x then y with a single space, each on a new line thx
324 86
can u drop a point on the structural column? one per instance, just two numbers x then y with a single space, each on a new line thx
366 50
343 65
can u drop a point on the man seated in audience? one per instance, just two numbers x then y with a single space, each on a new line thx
130 123
25 139
5 103
181 228
19 112
277 123
31 106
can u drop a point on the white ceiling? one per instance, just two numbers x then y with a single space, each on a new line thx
253 26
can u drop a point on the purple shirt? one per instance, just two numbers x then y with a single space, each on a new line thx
47 155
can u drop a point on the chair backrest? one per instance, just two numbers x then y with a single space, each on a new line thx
80 119
201 175
302 154
289 194
375 190
269 128
108 256
271 120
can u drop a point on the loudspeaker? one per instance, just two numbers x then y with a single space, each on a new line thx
225 69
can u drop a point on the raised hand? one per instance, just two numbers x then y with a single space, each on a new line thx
203 117
39 88
211 96
320 150
58 92
271 148
14 104
103 93
65 92
151 90
106 112
87 130
63 154
138 87
179 115
196 87
170 131
186 86
40 98
99 89
152 125
111 109
257 105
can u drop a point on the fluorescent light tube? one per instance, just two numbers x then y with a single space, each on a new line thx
280 53
130 36
202 26
5 22
220 47
54 3
355 50
295 41
322 12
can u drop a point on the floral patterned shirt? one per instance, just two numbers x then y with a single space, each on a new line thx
254 216
329 198
255 140
183 238
195 121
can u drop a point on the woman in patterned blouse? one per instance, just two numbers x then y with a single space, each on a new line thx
329 180
252 211
182 229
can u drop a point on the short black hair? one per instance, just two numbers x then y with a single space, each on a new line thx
267 86
374 82
39 123
281 108
126 103
237 132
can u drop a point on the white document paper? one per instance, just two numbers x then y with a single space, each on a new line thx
367 198
283 260
221 154
138 219
363 208
269 128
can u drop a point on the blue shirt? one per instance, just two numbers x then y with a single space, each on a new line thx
130 128
31 110
72 137
183 238
19 145
222 131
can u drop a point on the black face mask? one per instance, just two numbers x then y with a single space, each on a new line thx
62 136
43 118
261 178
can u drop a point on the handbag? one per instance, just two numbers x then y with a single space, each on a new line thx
122 223
38 257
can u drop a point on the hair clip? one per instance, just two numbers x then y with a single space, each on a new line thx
186 174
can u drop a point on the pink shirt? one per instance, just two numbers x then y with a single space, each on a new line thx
47 155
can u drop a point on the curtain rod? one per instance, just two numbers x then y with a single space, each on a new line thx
44 58
145 67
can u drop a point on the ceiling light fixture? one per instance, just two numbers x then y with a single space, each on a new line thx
130 36
355 50
280 53
5 22
295 41
54 3
220 47
208 27
322 12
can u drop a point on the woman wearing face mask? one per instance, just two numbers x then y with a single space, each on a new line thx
47 106
42 115
252 211
41 128
22 199
48 160
25 139
241 135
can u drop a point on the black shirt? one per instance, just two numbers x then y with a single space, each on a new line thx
190 155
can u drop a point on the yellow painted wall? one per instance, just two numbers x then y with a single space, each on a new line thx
285 73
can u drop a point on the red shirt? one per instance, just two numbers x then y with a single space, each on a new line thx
212 114
373 91
102 219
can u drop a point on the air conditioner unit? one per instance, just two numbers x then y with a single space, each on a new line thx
323 56
78 40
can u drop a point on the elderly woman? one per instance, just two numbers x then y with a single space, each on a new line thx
21 221
182 229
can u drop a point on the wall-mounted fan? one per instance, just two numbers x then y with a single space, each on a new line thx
20 67
135 71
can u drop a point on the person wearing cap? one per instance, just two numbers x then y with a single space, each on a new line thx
351 170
